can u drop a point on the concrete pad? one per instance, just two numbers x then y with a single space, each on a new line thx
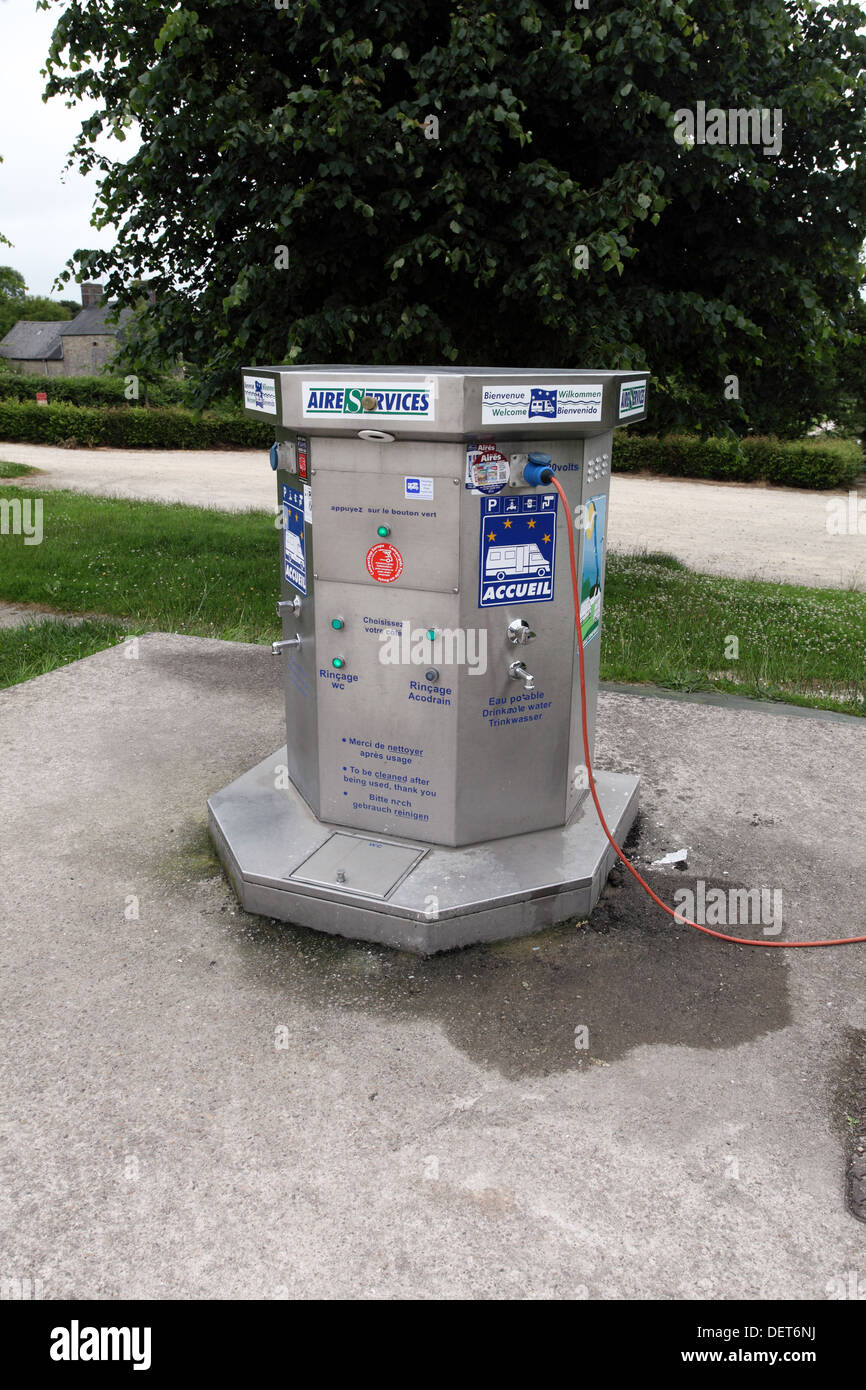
198 1103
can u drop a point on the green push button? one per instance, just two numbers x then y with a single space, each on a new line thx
383 530
336 624
338 662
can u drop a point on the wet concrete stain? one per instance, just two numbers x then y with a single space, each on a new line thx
574 997
850 1112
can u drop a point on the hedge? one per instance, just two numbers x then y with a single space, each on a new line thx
128 427
807 463
89 390
819 463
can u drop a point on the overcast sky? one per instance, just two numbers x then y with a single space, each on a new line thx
45 213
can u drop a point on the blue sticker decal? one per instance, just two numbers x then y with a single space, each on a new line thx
542 403
517 553
590 577
293 529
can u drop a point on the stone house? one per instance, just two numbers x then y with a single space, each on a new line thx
74 347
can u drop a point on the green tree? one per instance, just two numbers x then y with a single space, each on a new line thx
407 181
20 305
849 410
13 294
12 283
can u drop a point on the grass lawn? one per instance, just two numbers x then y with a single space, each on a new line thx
44 644
216 574
669 626
172 567
15 470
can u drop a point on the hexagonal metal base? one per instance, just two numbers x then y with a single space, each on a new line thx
285 863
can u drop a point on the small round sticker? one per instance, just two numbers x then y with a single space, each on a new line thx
384 563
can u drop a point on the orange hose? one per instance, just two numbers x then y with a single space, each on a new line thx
720 936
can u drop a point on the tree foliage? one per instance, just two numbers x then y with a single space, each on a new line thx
306 128
16 303
12 283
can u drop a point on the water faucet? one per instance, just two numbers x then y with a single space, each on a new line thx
518 672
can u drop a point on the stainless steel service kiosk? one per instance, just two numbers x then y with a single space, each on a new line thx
433 791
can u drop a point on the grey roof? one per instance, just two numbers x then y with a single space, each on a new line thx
93 321
31 339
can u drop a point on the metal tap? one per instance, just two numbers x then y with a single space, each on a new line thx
518 672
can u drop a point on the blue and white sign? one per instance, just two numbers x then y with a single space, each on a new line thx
542 403
260 393
511 404
293 530
418 487
517 553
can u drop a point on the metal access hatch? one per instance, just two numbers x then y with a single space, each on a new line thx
372 868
